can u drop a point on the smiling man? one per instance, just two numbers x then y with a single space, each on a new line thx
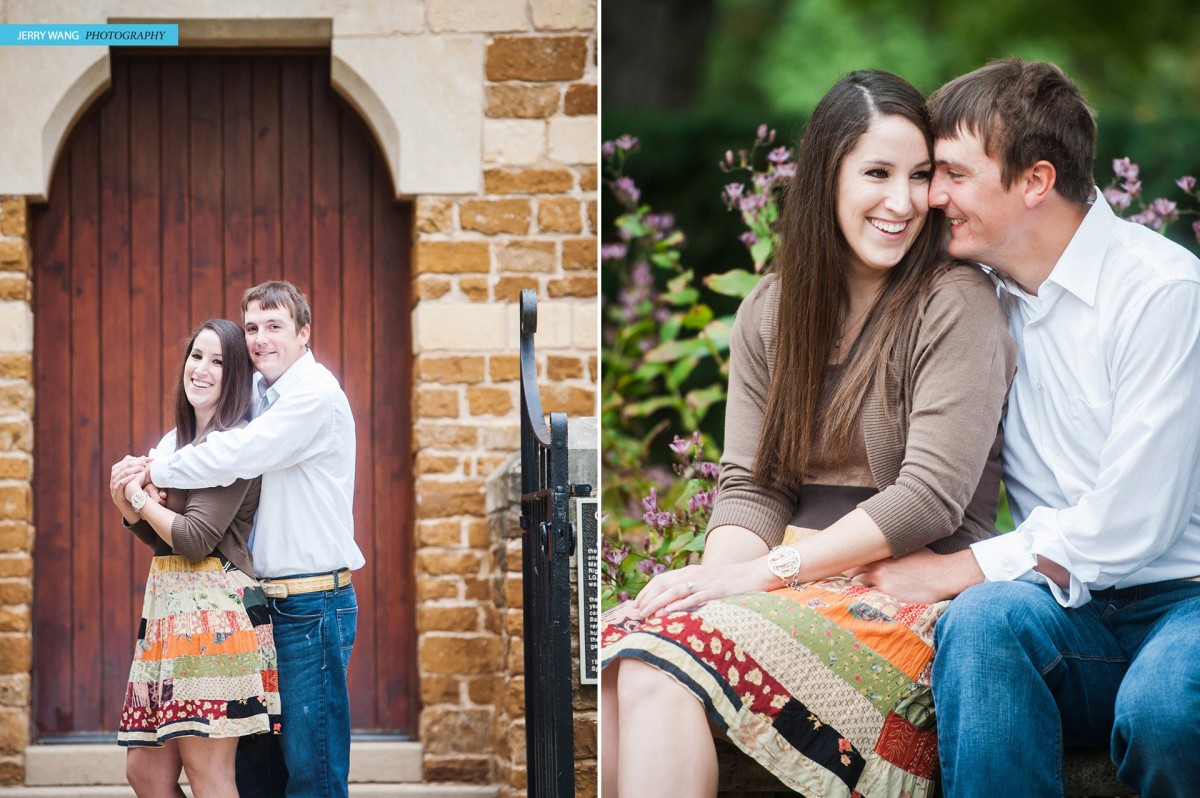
1081 626
302 443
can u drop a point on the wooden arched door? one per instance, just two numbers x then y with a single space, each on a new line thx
193 178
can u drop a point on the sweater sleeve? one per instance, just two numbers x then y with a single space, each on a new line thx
740 501
200 527
960 371
142 531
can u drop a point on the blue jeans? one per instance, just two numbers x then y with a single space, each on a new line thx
1017 678
314 634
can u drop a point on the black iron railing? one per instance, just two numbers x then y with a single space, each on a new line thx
548 541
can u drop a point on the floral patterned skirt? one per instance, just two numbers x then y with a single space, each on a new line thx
205 663
826 685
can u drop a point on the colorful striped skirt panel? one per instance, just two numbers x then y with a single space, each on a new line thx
827 685
205 662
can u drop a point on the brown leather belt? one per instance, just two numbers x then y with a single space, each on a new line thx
285 586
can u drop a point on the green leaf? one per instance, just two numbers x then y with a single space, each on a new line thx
683 368
633 224
680 283
761 250
667 260
702 399
736 282
670 327
671 351
688 296
642 409
718 332
698 317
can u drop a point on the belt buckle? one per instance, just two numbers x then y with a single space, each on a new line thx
274 591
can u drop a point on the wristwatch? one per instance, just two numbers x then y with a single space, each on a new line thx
139 501
784 562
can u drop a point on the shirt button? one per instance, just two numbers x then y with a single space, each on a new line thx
1039 386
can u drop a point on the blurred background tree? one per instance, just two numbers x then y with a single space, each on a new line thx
693 79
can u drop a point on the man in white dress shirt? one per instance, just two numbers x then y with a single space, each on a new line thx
1081 627
302 443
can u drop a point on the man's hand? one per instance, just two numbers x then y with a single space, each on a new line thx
922 577
122 473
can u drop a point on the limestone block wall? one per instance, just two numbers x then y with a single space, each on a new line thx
533 225
493 133
16 499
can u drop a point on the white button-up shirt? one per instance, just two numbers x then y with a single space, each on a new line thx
304 448
1102 434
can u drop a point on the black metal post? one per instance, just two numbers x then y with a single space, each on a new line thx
547 543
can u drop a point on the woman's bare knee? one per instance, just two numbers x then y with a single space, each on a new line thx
153 772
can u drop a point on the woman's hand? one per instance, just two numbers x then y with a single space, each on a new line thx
694 585
133 485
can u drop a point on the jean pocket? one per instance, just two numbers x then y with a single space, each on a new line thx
347 623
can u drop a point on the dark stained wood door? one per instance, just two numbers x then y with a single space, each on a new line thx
194 178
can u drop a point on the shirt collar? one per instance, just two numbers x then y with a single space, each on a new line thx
1078 268
294 374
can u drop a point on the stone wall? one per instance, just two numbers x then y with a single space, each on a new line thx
532 226
16 494
530 222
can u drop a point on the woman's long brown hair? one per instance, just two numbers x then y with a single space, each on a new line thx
237 385
811 266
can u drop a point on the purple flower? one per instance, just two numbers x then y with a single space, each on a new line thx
729 157
626 142
786 171
641 274
651 568
733 191
752 203
623 596
650 502
608 149
764 180
1134 187
779 155
710 470
700 501
681 446
1196 229
1123 167
748 238
626 191
1165 209
1187 183
613 251
762 133
1117 198
616 556
1148 218
660 221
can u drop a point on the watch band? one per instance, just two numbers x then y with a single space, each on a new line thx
139 501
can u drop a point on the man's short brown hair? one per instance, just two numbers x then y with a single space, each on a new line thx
1023 112
279 294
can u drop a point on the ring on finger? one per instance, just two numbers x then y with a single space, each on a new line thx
691 587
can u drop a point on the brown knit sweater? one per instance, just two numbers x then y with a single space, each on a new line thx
208 520
937 463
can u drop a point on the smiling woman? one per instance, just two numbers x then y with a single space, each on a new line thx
867 378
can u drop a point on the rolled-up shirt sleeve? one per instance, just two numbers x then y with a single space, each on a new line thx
278 439
1147 474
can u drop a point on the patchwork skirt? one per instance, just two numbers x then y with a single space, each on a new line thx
204 664
825 685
